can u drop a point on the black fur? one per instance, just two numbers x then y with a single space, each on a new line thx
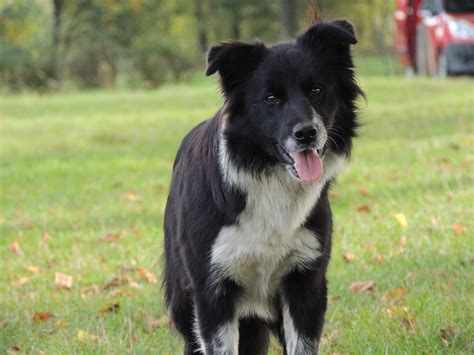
201 203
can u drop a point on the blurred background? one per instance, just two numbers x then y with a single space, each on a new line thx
85 169
61 44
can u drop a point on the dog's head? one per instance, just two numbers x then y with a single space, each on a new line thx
290 103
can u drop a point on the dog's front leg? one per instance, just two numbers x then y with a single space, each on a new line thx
304 303
216 325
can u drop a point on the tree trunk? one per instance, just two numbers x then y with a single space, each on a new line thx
57 11
287 18
202 35
236 27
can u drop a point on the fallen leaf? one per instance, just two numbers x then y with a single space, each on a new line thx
402 220
349 257
113 237
113 283
409 322
15 348
398 310
15 248
63 281
46 237
363 191
110 307
120 292
61 324
22 281
378 259
42 316
47 331
33 269
83 336
457 228
363 209
362 286
395 295
132 196
152 323
447 334
118 281
147 275
133 284
94 289
403 243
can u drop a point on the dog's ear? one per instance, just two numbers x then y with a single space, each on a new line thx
337 32
234 61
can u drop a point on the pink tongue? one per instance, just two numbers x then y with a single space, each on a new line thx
308 165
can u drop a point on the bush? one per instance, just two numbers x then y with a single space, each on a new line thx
158 60
19 69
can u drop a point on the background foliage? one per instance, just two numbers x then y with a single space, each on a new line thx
52 44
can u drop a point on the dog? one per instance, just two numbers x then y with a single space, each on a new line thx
248 222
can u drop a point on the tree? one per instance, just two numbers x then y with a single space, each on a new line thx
287 18
57 12
202 34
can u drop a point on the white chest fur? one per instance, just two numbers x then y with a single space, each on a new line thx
268 239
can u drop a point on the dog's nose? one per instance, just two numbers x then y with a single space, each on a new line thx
305 131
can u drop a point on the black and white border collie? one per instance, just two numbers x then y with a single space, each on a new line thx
248 223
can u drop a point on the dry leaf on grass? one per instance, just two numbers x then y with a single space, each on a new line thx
362 286
48 331
63 281
378 259
395 295
447 334
152 323
14 349
363 209
91 290
110 307
349 257
42 316
363 191
120 292
61 324
15 248
33 269
148 275
403 243
457 228
83 336
22 281
114 283
131 196
402 220
113 237
409 322
119 281
46 237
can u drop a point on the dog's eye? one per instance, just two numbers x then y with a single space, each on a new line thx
315 91
272 100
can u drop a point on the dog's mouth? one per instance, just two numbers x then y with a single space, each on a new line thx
306 165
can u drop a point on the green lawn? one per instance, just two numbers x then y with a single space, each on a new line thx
92 170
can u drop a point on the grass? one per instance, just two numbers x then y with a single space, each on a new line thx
92 170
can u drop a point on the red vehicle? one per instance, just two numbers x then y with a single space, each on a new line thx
435 37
